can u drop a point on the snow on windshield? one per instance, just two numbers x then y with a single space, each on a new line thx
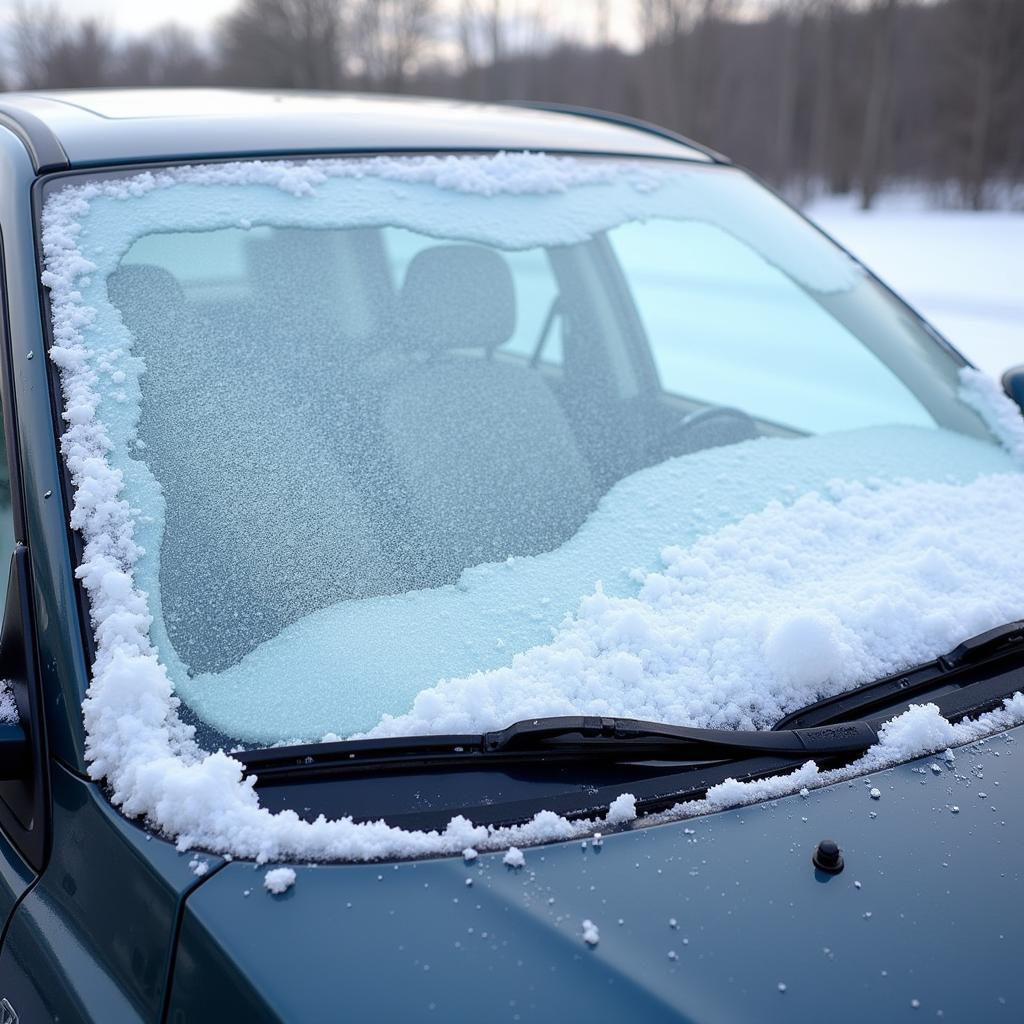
786 584
782 585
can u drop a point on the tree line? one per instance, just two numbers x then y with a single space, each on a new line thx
835 95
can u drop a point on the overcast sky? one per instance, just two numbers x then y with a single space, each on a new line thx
140 15
136 16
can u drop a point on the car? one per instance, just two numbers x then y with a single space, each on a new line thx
485 562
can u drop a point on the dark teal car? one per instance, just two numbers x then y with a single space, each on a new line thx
485 563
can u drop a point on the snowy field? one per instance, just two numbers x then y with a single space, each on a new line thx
963 271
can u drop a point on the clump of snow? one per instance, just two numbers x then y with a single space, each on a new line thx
591 936
514 857
469 854
1001 415
622 809
198 866
278 880
802 650
919 731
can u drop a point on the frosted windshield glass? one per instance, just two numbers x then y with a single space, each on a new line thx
710 304
388 422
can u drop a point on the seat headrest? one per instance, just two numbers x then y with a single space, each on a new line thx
144 292
456 296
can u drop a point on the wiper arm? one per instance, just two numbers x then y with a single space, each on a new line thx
574 738
623 737
985 645
972 678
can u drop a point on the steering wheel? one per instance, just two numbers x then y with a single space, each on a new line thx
710 428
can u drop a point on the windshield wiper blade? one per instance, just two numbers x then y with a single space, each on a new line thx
985 645
572 738
620 737
974 677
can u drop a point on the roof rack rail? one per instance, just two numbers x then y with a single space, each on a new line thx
622 119
44 148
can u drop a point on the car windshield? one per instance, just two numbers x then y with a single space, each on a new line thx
436 444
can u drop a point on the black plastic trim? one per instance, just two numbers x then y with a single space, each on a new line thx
76 545
959 690
638 124
7 401
25 802
44 148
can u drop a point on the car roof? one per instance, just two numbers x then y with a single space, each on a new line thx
88 128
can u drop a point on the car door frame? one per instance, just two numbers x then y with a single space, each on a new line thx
25 811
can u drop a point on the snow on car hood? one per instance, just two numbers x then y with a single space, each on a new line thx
818 588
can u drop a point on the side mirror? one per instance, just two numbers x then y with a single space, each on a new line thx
16 664
1013 384
24 785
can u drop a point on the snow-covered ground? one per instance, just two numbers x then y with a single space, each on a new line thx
963 271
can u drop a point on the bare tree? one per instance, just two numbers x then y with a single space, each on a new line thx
984 39
789 20
882 22
822 125
168 56
849 92
51 51
390 36
284 43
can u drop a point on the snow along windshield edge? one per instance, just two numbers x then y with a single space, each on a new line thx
694 586
473 439
478 439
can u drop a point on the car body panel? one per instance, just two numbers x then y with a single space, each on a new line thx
93 939
934 919
58 625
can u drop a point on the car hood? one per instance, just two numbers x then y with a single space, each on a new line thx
717 918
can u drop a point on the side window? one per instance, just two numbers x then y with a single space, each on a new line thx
535 286
727 328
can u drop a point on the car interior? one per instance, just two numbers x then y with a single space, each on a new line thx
402 427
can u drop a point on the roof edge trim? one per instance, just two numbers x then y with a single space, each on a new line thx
44 148
625 120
